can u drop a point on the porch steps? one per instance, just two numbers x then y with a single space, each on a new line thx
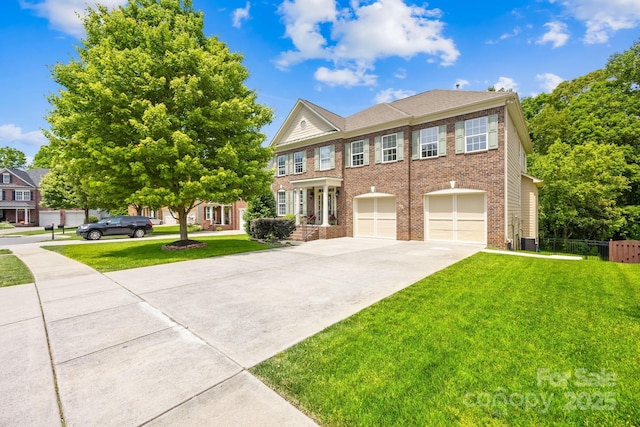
298 234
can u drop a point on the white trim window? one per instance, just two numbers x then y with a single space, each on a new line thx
282 203
476 134
325 158
6 178
298 159
389 148
282 165
208 213
23 196
357 153
429 142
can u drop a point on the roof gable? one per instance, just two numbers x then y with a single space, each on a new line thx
306 121
20 177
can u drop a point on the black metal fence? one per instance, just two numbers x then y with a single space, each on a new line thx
594 249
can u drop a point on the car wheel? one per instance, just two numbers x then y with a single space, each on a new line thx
94 235
139 232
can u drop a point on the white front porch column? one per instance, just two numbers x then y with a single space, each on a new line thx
325 206
221 214
26 217
296 205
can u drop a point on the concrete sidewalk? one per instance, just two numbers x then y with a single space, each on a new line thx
170 344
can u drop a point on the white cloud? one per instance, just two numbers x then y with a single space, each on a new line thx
604 17
389 95
461 83
345 77
63 14
516 31
557 34
241 14
13 133
400 73
358 35
506 83
549 81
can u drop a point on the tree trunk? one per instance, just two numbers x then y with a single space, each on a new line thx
86 215
182 220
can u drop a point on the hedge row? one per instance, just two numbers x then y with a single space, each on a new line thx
271 228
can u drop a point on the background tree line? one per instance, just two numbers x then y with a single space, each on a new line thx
586 140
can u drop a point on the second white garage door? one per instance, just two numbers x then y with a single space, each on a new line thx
456 217
375 217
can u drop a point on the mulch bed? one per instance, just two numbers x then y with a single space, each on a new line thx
180 245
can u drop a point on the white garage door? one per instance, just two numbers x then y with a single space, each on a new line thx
375 217
456 217
49 217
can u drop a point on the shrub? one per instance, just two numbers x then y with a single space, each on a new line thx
271 228
93 219
262 206
5 226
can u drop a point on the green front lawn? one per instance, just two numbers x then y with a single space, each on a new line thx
14 272
121 255
493 340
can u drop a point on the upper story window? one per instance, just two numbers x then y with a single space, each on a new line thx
325 158
6 178
476 134
282 165
357 153
429 142
389 148
298 162
22 195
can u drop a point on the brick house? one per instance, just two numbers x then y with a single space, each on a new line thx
443 165
20 195
210 215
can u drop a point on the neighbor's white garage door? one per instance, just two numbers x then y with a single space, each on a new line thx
375 217
456 217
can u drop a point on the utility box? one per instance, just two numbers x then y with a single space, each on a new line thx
529 244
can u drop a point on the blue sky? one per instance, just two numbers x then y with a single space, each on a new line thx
344 55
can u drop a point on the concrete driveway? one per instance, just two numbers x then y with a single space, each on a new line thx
170 344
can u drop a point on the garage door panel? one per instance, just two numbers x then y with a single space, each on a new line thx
375 217
471 231
441 207
440 230
456 217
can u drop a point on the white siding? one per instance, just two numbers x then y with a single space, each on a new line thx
314 126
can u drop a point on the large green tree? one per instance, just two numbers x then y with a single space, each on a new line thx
153 112
601 107
12 158
62 190
582 186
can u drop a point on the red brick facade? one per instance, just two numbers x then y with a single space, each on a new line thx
409 180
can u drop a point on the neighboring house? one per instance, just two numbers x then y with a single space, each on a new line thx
210 215
20 200
20 195
443 165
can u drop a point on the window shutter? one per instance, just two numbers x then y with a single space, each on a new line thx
365 151
304 161
442 140
415 145
400 146
378 150
316 158
289 164
332 150
459 137
289 201
493 132
347 154
13 195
